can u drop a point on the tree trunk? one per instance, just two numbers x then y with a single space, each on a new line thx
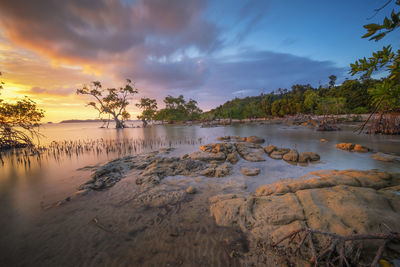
118 124
144 123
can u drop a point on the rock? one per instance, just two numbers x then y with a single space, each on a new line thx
308 156
255 140
207 156
292 156
217 171
250 151
191 190
224 138
360 148
269 149
352 147
385 157
233 157
223 170
342 202
345 146
278 153
250 172
322 140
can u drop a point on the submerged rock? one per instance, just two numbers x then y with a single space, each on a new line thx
342 202
250 172
385 157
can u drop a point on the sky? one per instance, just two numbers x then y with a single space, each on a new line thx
210 51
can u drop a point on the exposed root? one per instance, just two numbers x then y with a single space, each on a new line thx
339 250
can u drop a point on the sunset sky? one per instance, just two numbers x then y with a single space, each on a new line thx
211 51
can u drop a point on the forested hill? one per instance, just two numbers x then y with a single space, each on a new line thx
350 97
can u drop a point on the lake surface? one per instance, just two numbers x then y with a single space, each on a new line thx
26 189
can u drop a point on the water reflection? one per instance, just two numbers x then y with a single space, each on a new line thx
23 191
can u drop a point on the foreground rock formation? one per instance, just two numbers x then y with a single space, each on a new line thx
342 202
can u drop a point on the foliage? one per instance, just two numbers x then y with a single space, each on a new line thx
111 101
177 109
19 122
149 107
386 94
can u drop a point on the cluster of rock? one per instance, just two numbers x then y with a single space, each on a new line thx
352 147
291 155
342 202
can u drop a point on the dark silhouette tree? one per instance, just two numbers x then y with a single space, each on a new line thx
19 123
111 101
149 109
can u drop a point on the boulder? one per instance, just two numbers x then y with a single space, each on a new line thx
308 156
255 140
292 156
269 149
250 151
250 172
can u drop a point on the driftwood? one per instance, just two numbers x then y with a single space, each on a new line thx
335 252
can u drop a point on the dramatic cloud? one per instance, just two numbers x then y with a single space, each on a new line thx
51 47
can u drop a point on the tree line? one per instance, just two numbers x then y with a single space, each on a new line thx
352 96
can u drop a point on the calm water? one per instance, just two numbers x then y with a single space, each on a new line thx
25 191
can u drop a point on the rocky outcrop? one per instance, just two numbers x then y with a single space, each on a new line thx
342 202
352 147
162 167
228 149
250 172
250 151
109 174
385 157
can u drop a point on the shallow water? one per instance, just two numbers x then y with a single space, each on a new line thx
24 192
